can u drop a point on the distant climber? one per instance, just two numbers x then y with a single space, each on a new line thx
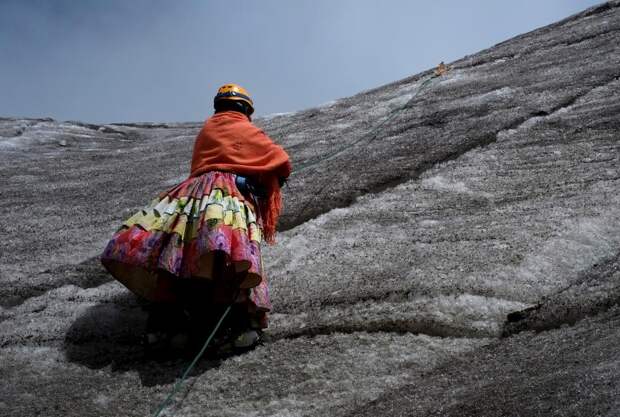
197 247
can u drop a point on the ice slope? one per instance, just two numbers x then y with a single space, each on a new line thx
463 262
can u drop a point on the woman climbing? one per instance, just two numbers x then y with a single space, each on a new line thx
197 247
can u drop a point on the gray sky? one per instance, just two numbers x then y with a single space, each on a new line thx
138 60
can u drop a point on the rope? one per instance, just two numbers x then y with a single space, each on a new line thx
441 69
374 132
180 382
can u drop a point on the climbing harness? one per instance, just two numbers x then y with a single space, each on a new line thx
249 185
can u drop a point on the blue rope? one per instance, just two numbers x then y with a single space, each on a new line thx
180 382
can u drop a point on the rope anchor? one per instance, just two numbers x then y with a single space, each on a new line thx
441 69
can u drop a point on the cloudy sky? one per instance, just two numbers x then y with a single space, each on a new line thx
139 60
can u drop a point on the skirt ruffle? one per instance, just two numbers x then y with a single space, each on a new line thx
202 229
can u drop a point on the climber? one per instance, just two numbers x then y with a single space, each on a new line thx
197 247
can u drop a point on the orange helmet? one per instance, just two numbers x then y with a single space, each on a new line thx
236 93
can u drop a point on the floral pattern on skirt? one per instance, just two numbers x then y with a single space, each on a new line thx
189 232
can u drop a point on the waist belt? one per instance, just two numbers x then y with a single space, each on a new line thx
249 185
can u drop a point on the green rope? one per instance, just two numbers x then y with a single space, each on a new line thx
372 134
180 382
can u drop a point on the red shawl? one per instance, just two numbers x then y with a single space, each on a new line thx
229 142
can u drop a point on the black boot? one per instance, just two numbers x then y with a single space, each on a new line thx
166 329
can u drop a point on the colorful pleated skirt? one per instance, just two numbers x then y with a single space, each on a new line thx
202 230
